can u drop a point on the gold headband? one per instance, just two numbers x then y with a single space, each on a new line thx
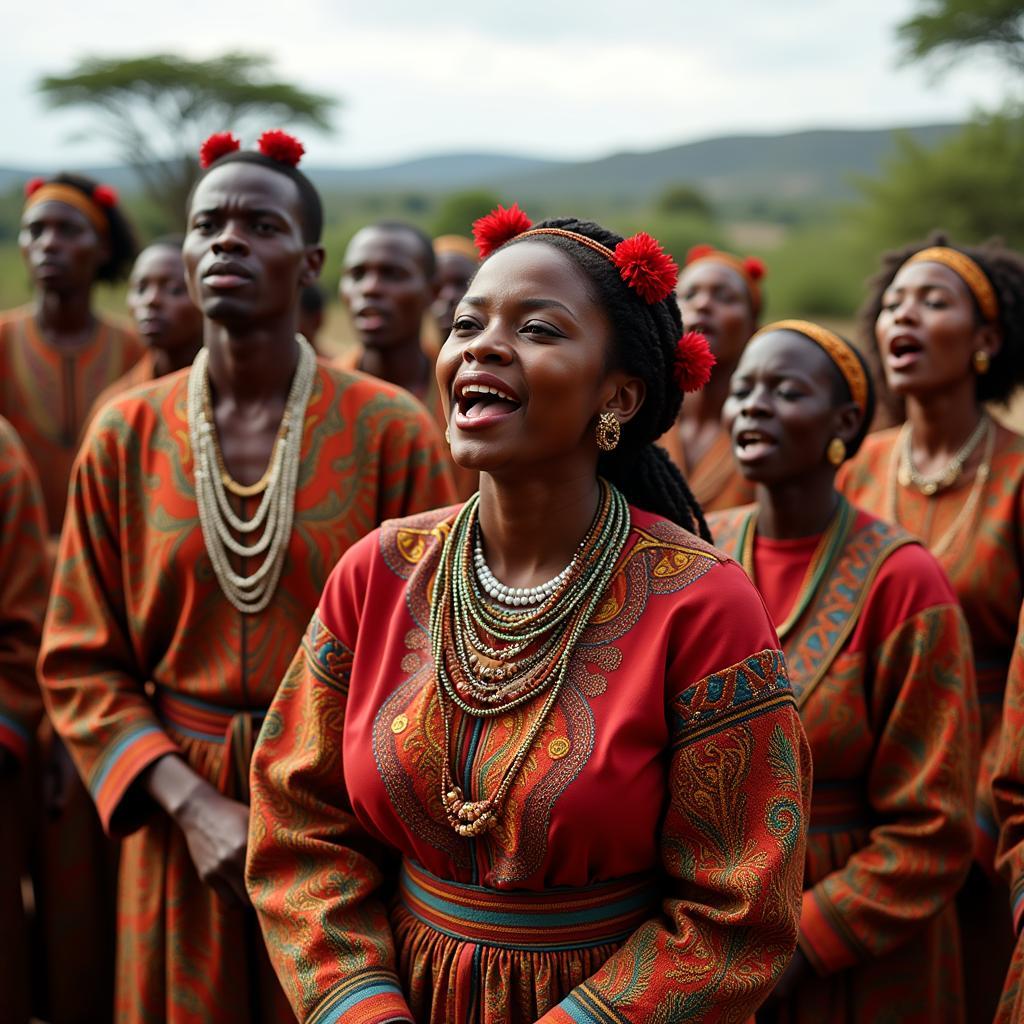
58 192
840 352
459 244
968 271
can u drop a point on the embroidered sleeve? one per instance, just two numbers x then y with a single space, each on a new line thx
919 789
89 674
24 571
732 843
312 872
1008 782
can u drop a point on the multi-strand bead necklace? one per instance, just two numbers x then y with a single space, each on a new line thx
495 648
276 511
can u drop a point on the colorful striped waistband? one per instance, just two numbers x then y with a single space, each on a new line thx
559 919
838 806
235 728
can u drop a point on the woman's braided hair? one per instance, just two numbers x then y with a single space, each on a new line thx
644 337
1005 269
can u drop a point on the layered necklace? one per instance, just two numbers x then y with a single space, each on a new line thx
929 485
901 465
496 648
272 520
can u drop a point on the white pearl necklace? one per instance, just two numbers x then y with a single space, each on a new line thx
515 597
276 511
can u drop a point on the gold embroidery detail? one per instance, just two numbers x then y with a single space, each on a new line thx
399 724
558 748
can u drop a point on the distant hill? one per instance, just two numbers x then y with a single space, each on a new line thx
809 164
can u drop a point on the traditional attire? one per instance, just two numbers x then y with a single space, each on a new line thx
143 372
1008 797
24 574
143 655
879 658
466 480
647 863
716 481
984 562
47 393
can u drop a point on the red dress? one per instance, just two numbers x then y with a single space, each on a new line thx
143 656
647 865
881 666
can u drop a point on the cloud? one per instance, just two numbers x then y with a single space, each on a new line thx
569 79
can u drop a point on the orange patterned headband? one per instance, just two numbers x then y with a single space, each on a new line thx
58 192
840 352
968 271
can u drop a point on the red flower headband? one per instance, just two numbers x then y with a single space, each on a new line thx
750 268
642 263
277 145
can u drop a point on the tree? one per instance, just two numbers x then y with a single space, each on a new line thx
458 211
159 108
968 185
951 27
685 199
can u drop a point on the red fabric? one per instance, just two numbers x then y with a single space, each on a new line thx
673 749
779 568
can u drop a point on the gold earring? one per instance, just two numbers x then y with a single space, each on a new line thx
982 361
836 451
609 430
447 437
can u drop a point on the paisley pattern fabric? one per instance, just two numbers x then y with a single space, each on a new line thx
985 564
47 394
673 758
466 480
143 655
24 573
716 481
882 673
1008 796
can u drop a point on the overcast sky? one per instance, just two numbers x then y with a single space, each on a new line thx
534 77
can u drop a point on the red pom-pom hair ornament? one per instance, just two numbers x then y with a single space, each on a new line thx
698 252
282 147
646 267
498 227
217 145
693 363
754 267
33 185
105 196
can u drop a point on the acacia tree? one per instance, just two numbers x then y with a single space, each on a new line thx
158 108
950 27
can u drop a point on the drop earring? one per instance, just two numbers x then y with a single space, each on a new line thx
608 432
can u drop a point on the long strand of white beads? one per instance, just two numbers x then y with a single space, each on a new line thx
515 597
276 511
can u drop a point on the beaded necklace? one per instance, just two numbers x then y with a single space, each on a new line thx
276 511
929 485
967 509
469 668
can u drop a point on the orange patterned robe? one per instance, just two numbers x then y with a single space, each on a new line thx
144 656
647 864
985 564
716 481
1008 797
24 572
47 394
466 480
881 667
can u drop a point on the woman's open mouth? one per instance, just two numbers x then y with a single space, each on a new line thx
751 445
479 405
